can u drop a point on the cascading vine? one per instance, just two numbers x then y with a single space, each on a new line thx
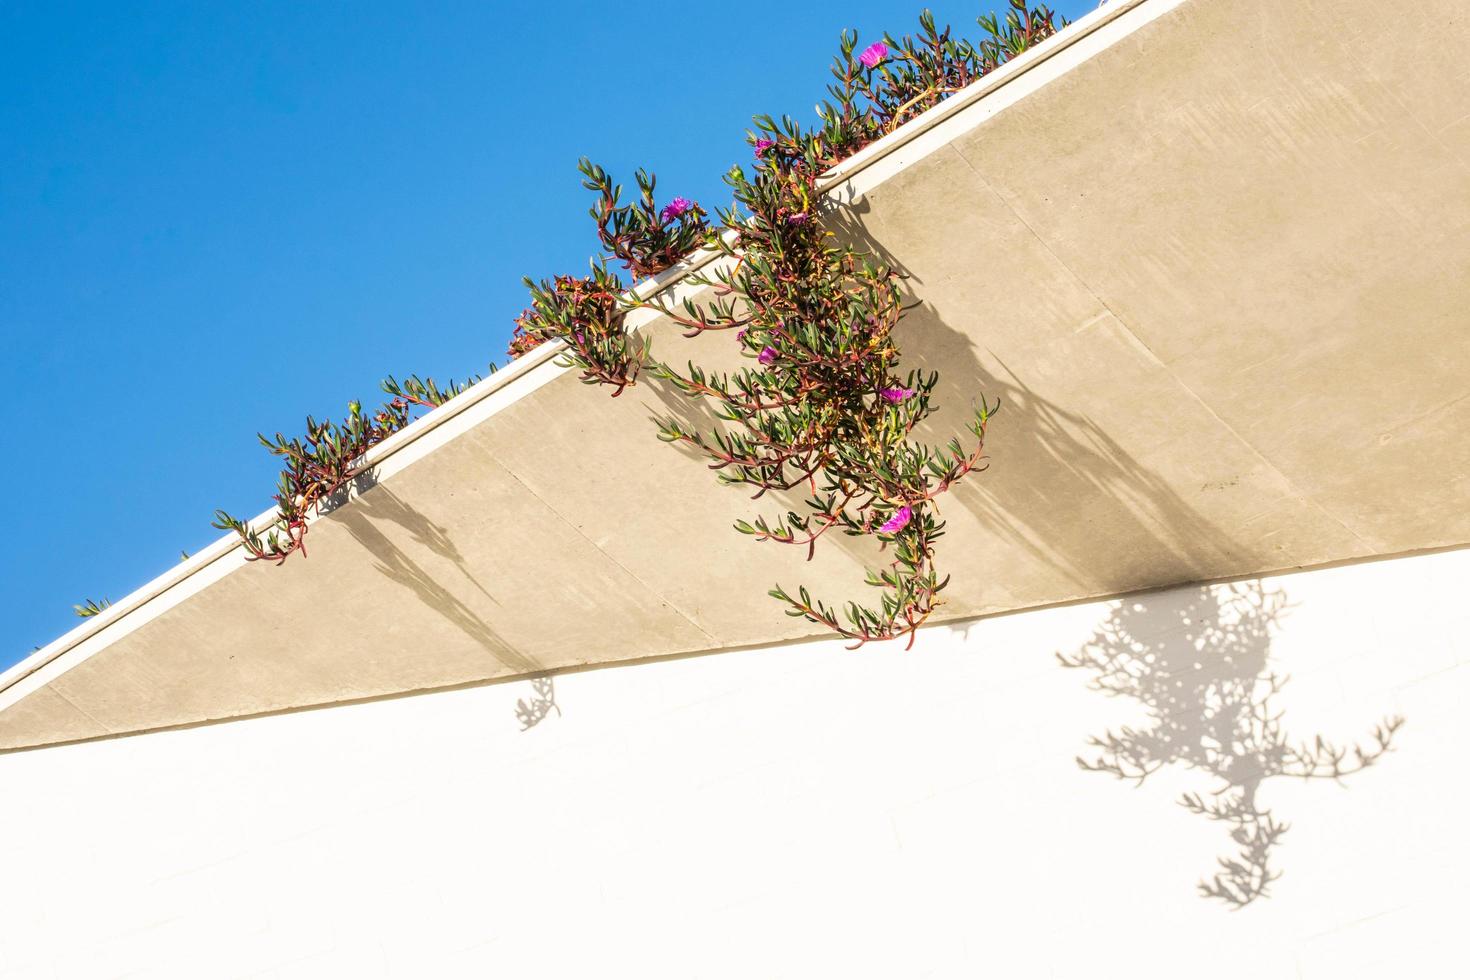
588 314
326 460
821 407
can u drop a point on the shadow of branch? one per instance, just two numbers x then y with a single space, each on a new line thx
1199 663
376 505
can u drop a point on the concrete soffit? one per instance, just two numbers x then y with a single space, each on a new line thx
863 170
1113 184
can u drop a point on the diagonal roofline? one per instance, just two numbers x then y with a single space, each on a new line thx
875 163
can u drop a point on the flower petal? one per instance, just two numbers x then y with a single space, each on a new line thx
898 521
874 54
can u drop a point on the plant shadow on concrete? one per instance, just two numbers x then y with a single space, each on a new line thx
376 505
1063 490
1199 662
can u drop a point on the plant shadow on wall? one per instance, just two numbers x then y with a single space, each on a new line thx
1200 663
543 702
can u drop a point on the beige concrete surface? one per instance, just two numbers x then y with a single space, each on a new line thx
1216 273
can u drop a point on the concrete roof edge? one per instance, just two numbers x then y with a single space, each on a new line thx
1082 39
947 624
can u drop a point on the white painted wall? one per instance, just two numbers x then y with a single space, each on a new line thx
801 812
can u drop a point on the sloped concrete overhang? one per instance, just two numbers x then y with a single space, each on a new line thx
1211 255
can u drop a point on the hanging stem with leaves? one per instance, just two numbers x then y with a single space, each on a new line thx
821 407
323 462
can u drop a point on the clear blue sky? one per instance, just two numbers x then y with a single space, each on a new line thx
216 218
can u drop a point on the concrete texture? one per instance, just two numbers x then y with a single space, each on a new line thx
1218 273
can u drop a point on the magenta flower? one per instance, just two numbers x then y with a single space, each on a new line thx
762 145
675 208
897 395
874 54
898 521
740 336
767 356
799 218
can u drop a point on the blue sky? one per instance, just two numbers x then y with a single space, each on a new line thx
217 218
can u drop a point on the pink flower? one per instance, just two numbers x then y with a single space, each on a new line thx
675 208
762 145
873 54
767 356
799 218
740 336
897 395
898 521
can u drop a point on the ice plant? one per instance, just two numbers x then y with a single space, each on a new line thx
675 208
878 89
1022 27
521 342
587 315
91 607
873 54
645 238
898 521
424 392
326 461
815 319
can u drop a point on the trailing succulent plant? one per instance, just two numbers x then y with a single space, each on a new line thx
587 314
647 239
879 88
331 455
821 406
91 607
1022 28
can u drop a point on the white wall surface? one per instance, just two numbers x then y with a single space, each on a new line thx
799 812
